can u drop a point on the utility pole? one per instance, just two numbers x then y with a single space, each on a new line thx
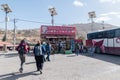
14 35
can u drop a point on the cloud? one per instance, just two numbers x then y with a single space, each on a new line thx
118 16
78 3
109 1
104 18
111 14
108 16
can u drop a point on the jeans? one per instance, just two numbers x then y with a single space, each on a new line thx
22 59
48 56
77 52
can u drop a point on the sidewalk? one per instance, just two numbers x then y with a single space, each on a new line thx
62 67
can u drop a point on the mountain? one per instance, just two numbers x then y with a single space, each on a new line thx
34 34
83 29
31 35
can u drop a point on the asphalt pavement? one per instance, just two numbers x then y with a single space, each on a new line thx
61 67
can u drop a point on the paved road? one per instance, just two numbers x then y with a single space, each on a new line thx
62 67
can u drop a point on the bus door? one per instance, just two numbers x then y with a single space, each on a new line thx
110 45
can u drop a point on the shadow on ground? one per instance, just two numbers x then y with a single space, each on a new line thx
115 59
16 75
30 63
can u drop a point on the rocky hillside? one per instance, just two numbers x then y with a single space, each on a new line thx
83 29
31 35
34 34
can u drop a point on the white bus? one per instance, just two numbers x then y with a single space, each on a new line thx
107 41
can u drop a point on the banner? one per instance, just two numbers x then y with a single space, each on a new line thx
58 30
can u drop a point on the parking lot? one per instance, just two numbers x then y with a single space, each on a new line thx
62 67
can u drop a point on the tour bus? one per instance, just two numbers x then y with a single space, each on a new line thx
106 41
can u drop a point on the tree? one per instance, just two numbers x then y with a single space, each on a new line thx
81 37
4 38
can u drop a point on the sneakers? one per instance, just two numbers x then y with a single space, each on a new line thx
40 71
21 70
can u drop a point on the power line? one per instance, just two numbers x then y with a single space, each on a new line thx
32 21
18 19
36 21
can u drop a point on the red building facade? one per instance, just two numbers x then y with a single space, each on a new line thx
57 32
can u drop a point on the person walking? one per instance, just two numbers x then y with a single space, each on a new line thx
44 50
76 48
81 47
60 46
48 51
39 56
22 50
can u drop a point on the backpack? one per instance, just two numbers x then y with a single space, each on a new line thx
38 50
21 49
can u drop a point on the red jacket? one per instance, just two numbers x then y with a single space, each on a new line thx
23 44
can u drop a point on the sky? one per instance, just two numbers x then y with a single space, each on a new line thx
30 14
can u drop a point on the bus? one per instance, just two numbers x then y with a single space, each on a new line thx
106 41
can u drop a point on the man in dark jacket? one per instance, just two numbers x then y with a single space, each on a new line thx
39 56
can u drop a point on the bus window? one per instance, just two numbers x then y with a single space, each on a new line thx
89 36
111 34
105 34
117 33
100 35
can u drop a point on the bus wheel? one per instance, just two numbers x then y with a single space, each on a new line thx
98 50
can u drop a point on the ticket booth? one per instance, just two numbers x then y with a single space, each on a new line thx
56 34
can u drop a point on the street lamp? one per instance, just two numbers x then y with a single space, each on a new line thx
14 35
52 12
103 25
6 10
91 16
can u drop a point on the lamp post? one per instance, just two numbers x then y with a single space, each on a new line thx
14 35
52 12
91 16
6 10
103 25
